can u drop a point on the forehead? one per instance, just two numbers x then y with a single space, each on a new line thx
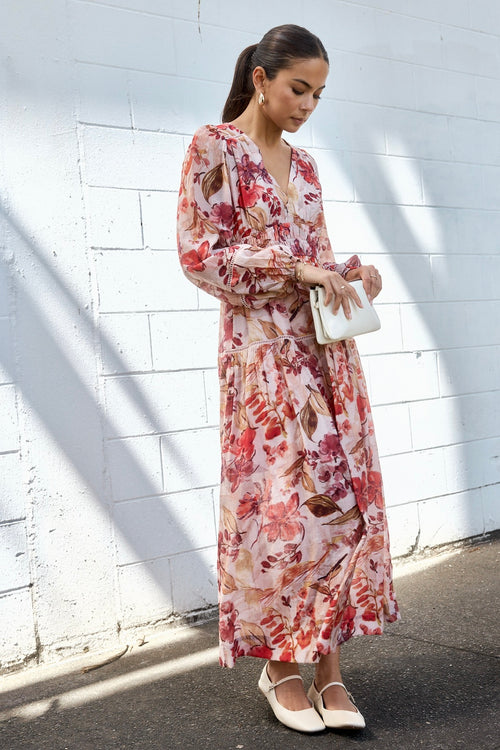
313 71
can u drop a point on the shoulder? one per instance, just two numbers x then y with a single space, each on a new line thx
215 138
305 157
307 166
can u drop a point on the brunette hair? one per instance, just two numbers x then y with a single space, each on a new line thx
277 50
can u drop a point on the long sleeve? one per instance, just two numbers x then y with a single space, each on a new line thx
207 223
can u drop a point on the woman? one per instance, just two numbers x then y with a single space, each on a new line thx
304 559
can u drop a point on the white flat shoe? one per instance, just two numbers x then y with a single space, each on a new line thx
306 720
335 719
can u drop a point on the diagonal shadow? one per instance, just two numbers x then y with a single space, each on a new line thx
465 454
417 694
54 385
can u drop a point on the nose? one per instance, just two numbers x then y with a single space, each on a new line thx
307 104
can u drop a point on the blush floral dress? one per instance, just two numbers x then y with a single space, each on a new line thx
303 547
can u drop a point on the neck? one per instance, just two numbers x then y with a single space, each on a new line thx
258 127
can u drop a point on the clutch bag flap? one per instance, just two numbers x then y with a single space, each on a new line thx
331 328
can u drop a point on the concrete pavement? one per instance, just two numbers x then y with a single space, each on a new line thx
430 682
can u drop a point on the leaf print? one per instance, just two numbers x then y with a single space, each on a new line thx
227 582
252 633
270 329
241 417
295 573
308 419
349 516
244 564
296 465
212 182
306 479
256 218
318 402
358 446
375 543
322 505
321 588
229 521
334 571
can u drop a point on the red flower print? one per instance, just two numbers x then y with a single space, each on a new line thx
261 651
368 490
222 214
281 523
227 621
329 449
307 172
193 260
245 443
249 505
250 194
362 406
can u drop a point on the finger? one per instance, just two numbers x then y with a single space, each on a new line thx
370 288
355 297
342 298
337 301
374 283
346 304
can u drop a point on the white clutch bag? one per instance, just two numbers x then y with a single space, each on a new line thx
331 328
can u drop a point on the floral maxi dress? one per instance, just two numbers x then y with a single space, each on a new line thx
303 547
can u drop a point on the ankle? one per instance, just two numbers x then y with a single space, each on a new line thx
277 670
321 679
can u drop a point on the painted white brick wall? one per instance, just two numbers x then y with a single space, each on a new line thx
108 383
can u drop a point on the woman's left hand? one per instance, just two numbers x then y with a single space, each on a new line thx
372 281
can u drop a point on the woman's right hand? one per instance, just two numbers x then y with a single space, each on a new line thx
335 286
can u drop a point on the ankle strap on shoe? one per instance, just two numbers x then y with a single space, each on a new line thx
340 684
285 679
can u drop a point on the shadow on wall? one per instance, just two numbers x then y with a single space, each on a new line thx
57 392
436 463
50 400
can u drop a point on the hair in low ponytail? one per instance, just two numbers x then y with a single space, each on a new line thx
277 50
242 87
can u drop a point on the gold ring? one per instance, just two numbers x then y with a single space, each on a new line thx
372 276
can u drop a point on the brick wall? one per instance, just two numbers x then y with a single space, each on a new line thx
108 385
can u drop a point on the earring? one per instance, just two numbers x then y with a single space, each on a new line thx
261 98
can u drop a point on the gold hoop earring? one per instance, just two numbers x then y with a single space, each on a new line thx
261 98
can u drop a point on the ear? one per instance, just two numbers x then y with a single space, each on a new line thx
259 78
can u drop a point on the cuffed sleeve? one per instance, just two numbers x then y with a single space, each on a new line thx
343 268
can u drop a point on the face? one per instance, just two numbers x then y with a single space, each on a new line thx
293 95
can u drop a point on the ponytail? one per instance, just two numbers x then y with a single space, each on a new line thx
279 49
242 87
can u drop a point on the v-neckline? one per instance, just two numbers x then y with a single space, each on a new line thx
269 174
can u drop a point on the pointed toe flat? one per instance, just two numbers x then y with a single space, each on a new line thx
306 720
335 719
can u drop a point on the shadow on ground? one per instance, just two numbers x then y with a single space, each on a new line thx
430 682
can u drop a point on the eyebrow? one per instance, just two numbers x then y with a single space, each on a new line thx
308 85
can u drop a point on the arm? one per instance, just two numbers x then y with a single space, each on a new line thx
241 273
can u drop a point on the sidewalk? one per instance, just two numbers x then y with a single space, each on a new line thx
430 682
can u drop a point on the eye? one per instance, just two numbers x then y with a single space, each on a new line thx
298 93
317 96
